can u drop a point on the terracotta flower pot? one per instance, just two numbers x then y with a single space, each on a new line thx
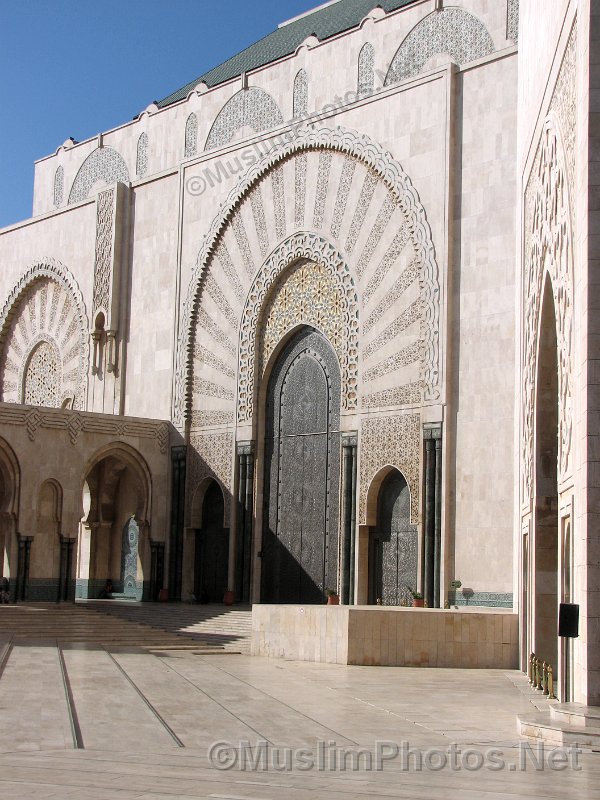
228 598
163 595
333 600
418 603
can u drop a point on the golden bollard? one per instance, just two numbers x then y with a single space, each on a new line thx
545 679
538 682
530 668
551 695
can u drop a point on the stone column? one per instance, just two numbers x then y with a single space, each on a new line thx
432 526
157 569
245 518
62 569
178 467
437 543
429 522
348 555
23 567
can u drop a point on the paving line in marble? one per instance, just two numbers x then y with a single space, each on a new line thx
324 731
160 719
197 718
32 701
345 708
256 708
110 712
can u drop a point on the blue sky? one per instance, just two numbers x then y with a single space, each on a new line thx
79 67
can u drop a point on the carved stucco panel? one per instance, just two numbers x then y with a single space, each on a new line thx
104 250
329 275
390 441
104 165
43 339
450 30
548 248
377 167
210 455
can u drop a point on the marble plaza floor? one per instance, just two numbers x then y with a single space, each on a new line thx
100 722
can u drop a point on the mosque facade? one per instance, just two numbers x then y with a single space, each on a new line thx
323 319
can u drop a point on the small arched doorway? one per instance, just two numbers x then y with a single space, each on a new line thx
301 472
113 540
546 528
211 551
393 545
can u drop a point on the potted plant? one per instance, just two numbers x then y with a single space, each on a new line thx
418 601
333 598
228 598
455 586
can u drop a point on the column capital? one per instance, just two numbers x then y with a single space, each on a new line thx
349 438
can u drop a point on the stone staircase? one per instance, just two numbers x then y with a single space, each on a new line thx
228 627
115 624
563 724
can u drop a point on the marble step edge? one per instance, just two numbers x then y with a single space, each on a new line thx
542 726
576 714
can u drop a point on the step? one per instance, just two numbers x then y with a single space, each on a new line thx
71 625
229 627
123 623
545 727
576 714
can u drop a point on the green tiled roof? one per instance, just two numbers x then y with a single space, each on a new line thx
323 23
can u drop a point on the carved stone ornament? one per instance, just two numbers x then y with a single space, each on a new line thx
210 455
326 286
43 339
548 249
451 30
390 442
249 108
103 165
231 229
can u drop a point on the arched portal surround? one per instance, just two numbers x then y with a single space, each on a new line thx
546 447
548 251
378 168
45 310
114 535
339 302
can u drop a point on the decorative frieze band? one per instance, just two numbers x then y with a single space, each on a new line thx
75 423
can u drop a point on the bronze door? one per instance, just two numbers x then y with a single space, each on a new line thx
393 545
302 473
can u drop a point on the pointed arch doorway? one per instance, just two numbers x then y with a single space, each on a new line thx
211 552
393 544
301 472
546 575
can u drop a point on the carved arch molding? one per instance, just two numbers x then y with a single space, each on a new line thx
548 248
43 339
356 216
